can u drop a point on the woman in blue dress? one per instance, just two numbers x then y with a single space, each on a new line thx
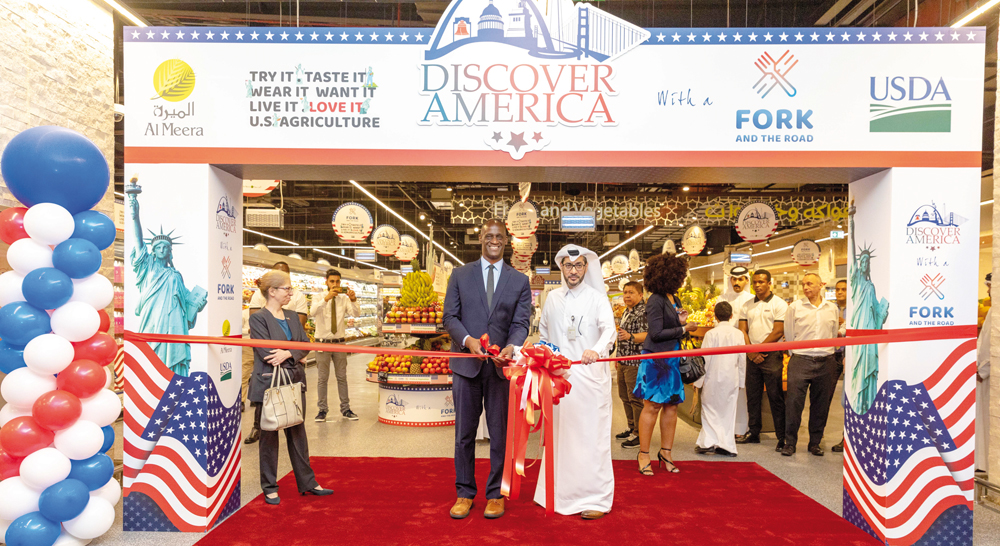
659 382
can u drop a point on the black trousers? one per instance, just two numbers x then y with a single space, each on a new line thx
818 376
766 374
471 395
298 452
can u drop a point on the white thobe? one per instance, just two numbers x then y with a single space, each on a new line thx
983 394
737 300
584 479
724 376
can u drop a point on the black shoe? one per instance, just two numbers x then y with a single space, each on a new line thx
839 448
318 492
780 446
321 417
630 444
748 439
724 452
788 451
816 450
350 415
703 450
253 437
269 500
624 435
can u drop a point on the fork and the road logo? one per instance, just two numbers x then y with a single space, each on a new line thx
226 262
774 73
932 286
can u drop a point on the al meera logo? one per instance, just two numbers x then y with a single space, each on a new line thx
909 104
173 80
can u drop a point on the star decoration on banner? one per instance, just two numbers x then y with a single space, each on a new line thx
298 36
284 36
517 140
374 36
358 37
420 37
269 35
343 37
210 35
404 37
388 36
225 35
515 143
660 37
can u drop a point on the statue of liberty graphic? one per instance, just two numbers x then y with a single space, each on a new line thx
165 305
868 313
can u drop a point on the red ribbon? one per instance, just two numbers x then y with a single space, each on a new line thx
537 382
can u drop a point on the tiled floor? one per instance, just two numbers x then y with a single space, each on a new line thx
817 477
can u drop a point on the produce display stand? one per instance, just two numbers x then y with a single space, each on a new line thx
414 400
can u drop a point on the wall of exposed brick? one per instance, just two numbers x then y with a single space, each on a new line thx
57 68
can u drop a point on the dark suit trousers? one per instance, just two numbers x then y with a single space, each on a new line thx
486 390
767 373
298 452
818 375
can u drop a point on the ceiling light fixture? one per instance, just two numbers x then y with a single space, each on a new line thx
351 259
476 229
448 188
422 217
975 13
405 221
626 241
138 21
686 188
271 237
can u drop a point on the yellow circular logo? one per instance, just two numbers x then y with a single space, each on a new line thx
173 80
225 327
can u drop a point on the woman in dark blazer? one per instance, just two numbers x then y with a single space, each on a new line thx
659 383
274 323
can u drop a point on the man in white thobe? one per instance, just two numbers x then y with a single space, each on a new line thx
724 376
737 293
983 389
578 319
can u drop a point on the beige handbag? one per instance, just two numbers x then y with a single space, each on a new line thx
282 406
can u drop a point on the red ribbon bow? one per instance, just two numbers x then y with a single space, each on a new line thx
538 381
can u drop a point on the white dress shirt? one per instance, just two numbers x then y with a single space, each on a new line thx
805 321
322 316
497 267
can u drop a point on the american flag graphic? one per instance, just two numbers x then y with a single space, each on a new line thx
909 461
182 448
119 368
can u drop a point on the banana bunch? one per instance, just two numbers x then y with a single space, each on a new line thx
417 290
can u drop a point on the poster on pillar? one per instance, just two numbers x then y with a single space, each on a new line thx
183 276
909 414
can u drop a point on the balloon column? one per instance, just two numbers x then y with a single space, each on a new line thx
57 482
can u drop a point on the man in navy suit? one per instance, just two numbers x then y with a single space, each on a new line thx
485 296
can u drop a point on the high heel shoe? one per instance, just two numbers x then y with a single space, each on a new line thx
671 468
318 492
646 470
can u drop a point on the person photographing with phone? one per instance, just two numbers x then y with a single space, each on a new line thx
329 313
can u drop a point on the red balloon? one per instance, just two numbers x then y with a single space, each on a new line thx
12 225
100 348
23 436
105 320
56 410
82 378
10 465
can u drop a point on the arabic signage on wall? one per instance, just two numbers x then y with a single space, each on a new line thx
576 87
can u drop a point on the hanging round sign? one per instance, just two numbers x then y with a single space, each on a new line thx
669 247
408 249
606 269
694 241
525 246
622 283
258 188
385 240
522 220
633 260
806 252
756 222
619 264
352 222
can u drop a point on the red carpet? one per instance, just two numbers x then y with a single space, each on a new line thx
406 501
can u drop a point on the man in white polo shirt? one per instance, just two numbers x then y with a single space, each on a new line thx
812 370
762 321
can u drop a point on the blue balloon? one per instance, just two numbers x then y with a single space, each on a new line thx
64 501
50 164
32 529
109 438
11 357
20 323
77 258
47 288
93 472
95 227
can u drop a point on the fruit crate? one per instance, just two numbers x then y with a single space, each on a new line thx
408 379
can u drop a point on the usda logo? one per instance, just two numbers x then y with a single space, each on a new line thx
225 371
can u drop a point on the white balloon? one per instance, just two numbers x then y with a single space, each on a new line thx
10 411
95 520
27 255
111 492
22 387
95 290
48 223
43 468
48 354
18 499
107 382
66 539
10 287
75 321
102 409
82 440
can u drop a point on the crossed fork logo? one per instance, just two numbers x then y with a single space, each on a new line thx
932 286
774 73
226 262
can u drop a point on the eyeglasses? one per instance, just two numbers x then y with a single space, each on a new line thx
285 288
574 267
